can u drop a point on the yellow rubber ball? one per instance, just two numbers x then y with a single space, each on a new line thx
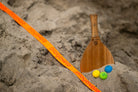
96 73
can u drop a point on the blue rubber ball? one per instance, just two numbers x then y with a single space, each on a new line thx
108 68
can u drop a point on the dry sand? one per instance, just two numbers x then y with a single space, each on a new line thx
26 66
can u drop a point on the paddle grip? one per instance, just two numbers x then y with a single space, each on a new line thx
94 25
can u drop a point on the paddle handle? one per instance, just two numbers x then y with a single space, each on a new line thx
94 25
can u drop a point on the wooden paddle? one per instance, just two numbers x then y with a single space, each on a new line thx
96 54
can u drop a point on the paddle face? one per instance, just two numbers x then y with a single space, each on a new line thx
95 56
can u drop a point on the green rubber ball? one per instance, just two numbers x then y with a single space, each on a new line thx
103 75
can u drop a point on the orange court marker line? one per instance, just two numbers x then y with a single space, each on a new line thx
50 47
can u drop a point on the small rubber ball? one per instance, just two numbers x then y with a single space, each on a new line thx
103 75
96 73
108 68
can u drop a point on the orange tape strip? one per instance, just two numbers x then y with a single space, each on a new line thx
50 47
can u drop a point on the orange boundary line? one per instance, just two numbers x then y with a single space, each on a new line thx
50 47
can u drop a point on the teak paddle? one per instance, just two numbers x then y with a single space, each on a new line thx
96 54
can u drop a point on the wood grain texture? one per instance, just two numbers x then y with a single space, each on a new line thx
94 25
96 54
